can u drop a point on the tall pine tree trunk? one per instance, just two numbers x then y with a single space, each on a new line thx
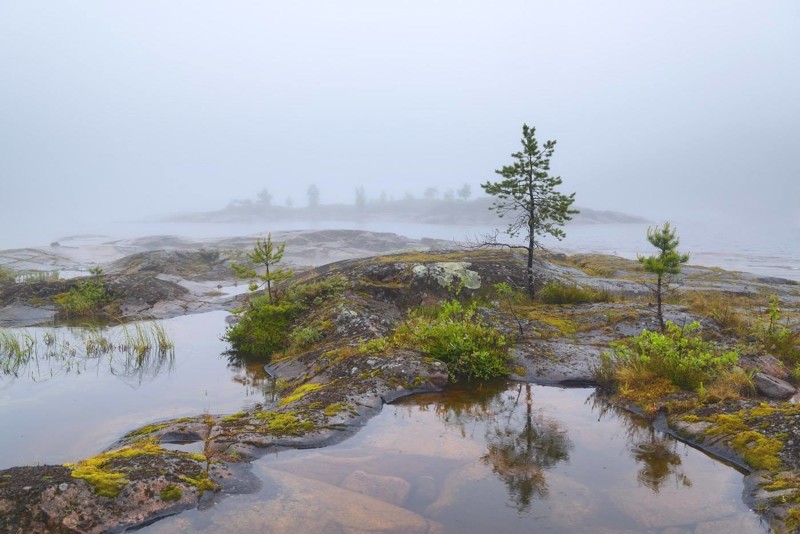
659 314
531 243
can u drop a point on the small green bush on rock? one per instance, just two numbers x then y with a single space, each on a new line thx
7 276
457 336
679 354
265 325
87 297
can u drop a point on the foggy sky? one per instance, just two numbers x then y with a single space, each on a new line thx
133 109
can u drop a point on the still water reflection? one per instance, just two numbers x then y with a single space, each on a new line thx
506 458
71 396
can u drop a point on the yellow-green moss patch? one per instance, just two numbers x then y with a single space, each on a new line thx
299 393
171 493
106 482
145 430
283 424
202 482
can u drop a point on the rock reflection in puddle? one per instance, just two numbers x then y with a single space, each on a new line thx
504 458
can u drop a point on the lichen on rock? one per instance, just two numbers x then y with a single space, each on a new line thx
449 274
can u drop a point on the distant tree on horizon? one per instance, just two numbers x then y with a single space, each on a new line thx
313 196
464 192
667 263
527 194
264 197
289 202
361 197
431 193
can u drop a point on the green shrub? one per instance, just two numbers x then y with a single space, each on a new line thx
679 354
455 335
304 337
86 297
557 292
265 327
778 339
7 276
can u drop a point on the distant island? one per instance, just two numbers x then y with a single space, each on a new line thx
407 210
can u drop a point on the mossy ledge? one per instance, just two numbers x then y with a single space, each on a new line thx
353 357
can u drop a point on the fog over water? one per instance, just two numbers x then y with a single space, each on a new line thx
123 111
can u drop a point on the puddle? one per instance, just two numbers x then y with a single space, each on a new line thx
70 406
506 458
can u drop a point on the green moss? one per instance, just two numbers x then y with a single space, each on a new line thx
149 429
104 481
202 482
783 484
171 493
793 519
233 417
285 424
758 450
333 409
299 393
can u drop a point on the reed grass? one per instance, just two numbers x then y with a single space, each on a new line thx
144 347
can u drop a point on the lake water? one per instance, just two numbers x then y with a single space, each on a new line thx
59 411
506 458
743 245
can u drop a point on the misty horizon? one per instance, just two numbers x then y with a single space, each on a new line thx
131 111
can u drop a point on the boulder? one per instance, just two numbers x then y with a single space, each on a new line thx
767 364
772 387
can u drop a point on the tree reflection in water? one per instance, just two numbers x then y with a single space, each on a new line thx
520 454
521 443
251 374
654 451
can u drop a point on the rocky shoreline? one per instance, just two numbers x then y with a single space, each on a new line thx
332 386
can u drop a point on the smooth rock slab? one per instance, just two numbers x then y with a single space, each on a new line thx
306 505
393 490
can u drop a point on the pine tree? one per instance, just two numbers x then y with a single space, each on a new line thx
527 194
665 264
268 255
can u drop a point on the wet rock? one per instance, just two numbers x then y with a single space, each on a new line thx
453 484
558 361
683 507
732 524
393 490
425 488
767 364
772 387
305 505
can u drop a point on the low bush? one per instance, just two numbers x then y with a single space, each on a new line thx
726 310
778 339
679 355
87 297
456 335
557 292
265 326
7 276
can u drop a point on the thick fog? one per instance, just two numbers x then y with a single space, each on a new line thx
127 110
